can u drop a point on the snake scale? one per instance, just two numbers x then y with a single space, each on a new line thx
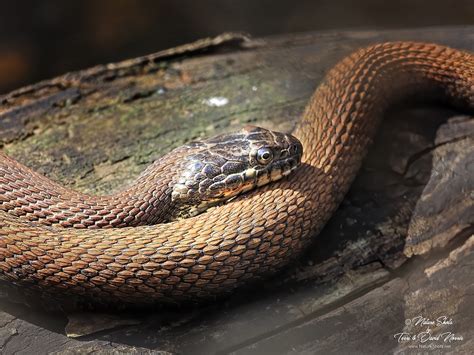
251 236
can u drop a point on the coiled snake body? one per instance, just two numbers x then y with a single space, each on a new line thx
253 235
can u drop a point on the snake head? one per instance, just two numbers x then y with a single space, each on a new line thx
222 167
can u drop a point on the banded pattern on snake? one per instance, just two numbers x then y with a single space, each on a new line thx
256 233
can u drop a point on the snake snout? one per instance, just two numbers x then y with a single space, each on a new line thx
288 154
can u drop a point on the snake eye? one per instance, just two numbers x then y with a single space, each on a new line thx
264 156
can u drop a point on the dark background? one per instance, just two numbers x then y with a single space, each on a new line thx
42 39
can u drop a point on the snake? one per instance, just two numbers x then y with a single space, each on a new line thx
214 215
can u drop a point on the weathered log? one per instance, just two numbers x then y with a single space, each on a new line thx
354 289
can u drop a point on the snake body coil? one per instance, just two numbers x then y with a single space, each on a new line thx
255 234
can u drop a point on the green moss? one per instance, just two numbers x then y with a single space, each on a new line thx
107 138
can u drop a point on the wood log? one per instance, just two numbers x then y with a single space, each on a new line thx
360 282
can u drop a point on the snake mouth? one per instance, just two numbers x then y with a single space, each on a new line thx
279 170
252 178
